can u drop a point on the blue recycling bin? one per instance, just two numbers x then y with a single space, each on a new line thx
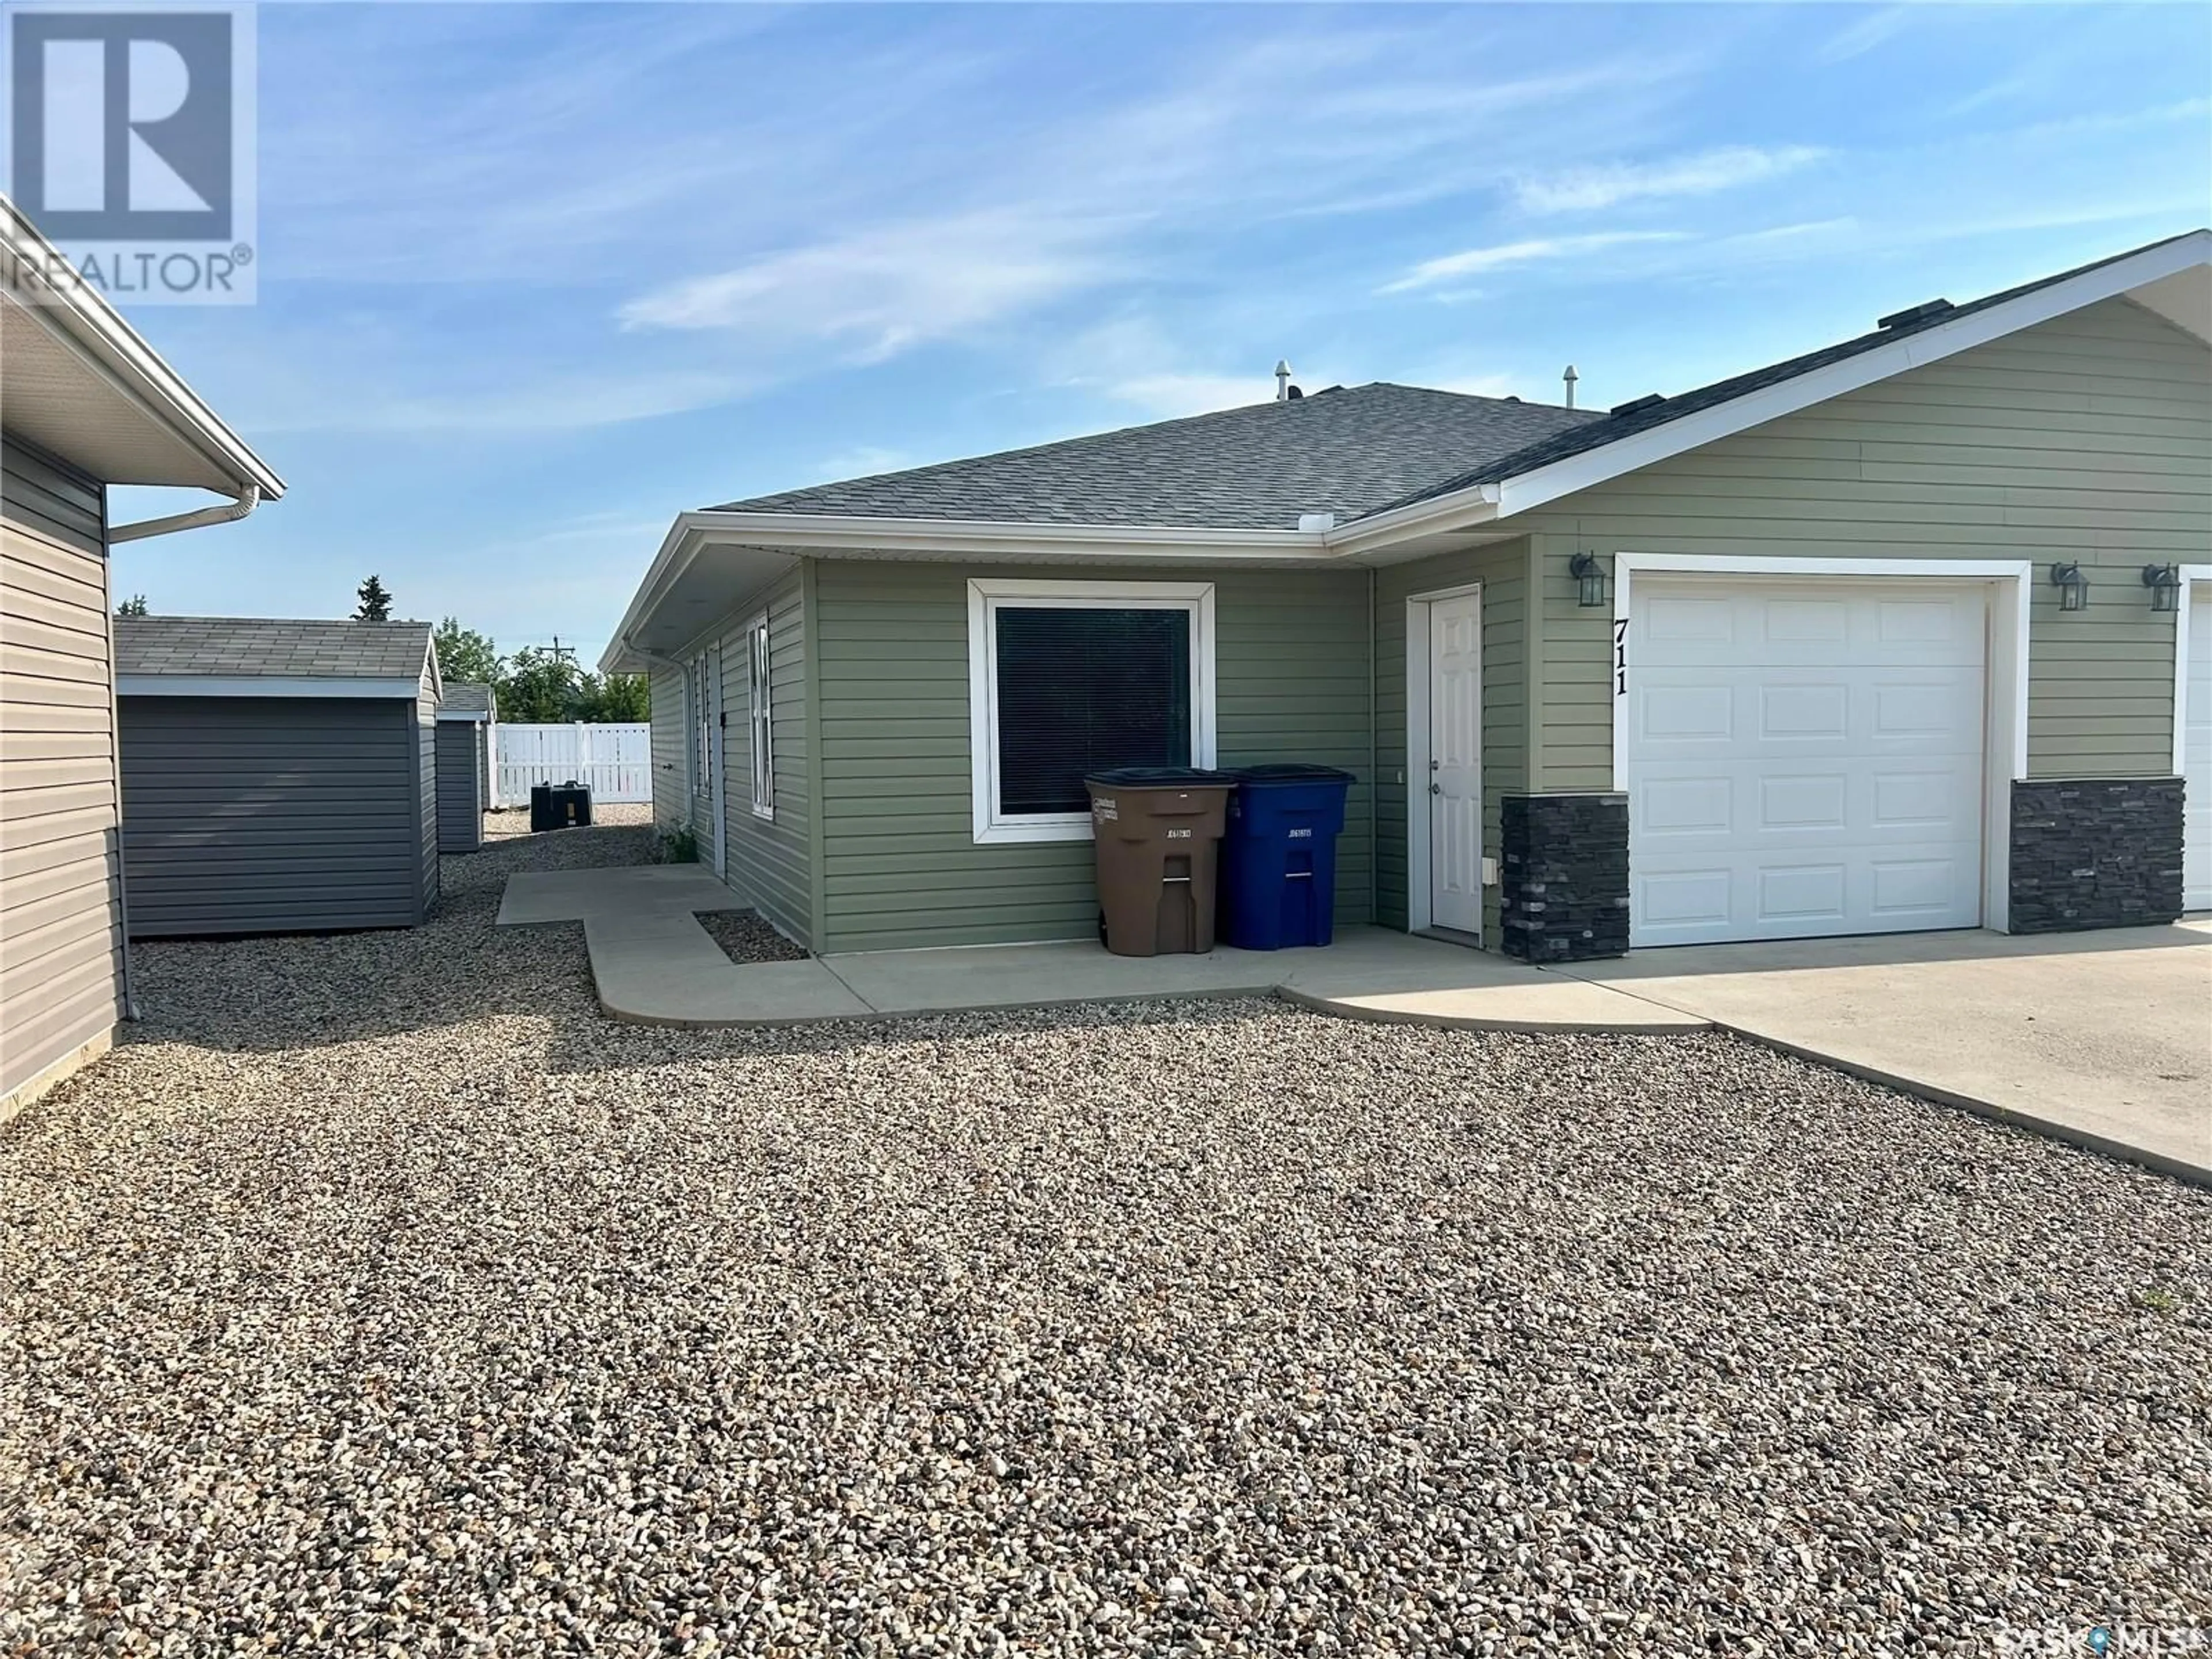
1278 856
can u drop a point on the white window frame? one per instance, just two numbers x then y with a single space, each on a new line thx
697 711
986 596
760 729
692 729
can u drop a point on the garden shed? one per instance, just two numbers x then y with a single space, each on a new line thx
277 776
465 725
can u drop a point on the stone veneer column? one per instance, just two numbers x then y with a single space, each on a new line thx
2094 853
1562 876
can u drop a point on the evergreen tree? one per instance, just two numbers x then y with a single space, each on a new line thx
133 606
375 602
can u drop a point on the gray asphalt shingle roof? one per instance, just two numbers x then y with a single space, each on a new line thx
1350 452
467 697
1347 451
230 645
1611 428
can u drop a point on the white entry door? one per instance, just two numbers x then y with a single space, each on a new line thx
1455 763
1803 757
2196 760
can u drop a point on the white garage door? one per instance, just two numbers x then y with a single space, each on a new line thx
2197 761
1804 759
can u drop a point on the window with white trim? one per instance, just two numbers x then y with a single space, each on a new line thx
1070 677
761 726
698 694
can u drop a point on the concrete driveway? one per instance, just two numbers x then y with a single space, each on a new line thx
2103 1038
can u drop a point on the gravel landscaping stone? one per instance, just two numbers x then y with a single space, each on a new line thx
745 936
380 1297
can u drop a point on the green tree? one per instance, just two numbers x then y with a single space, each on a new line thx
375 601
537 686
133 606
465 654
614 698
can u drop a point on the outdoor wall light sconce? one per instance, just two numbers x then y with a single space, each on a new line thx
2073 586
1590 580
2164 581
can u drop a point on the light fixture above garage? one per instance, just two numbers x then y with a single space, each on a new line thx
2073 586
1589 580
2164 581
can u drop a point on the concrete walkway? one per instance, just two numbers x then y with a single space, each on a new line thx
654 963
2102 1039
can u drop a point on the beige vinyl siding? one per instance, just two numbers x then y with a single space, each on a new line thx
671 801
769 861
1503 572
2087 438
61 940
900 866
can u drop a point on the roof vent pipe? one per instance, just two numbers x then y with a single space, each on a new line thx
1282 379
1571 377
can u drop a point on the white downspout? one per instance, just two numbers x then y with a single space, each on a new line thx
249 497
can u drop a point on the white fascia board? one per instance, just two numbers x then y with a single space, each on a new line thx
473 716
261 685
828 537
79 315
1463 509
677 548
1482 503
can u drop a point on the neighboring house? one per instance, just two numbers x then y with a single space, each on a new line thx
1785 656
277 776
466 721
84 404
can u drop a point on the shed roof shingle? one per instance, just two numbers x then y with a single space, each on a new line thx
467 697
233 645
1347 451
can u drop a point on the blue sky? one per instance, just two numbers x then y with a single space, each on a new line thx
533 279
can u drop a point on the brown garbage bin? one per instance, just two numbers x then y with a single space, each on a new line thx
1158 835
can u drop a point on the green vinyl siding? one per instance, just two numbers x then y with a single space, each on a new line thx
1502 571
2086 438
672 800
768 861
900 865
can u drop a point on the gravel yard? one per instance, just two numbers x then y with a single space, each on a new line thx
380 1297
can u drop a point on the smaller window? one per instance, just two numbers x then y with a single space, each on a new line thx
762 727
700 689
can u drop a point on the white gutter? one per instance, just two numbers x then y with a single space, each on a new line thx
45 283
814 532
248 496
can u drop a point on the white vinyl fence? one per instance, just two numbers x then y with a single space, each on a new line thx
616 760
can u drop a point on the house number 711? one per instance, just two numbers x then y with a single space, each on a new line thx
1620 656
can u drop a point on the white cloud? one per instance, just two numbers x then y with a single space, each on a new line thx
1168 395
567 404
1872 27
1582 189
876 292
1474 261
861 461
